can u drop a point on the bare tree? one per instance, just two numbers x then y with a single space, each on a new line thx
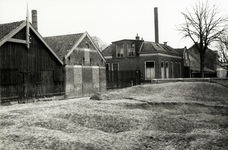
223 51
203 25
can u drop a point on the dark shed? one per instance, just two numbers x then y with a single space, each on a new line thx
29 68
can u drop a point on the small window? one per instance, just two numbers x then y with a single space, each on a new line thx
87 45
120 51
150 64
83 61
162 64
166 64
107 67
131 50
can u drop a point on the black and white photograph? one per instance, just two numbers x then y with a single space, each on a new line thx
113 74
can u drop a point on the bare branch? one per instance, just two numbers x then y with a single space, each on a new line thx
203 25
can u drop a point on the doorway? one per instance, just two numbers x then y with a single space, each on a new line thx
149 70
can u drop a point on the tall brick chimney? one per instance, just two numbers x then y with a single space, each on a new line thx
34 19
156 24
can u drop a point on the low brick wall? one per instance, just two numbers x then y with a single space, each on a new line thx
222 81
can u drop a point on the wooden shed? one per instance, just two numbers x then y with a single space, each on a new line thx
29 68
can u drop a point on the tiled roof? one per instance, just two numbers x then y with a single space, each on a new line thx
63 43
147 48
152 47
7 28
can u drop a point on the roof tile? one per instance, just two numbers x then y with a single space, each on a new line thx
63 43
7 28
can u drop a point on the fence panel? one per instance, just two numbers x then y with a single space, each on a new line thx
122 79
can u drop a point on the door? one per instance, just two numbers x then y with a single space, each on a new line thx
150 70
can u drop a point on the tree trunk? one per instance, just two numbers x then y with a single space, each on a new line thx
201 66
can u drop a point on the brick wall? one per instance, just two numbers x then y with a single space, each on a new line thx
102 79
138 63
82 81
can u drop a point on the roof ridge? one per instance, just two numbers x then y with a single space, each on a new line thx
64 35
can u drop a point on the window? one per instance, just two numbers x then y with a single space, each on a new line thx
115 66
87 59
180 69
86 45
167 69
176 70
131 50
107 67
171 70
108 72
83 61
120 51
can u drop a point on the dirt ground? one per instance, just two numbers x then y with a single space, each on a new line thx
162 116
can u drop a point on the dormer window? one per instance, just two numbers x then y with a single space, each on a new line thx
120 51
131 50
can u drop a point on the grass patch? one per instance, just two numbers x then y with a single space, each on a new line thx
179 91
165 116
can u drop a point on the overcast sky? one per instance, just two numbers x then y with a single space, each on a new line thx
110 20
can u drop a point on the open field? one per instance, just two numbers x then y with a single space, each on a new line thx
160 116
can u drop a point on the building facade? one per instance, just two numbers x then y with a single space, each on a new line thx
191 60
84 64
153 60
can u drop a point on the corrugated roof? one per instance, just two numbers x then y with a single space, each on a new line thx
63 43
7 28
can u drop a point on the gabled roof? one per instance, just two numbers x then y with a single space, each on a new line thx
64 45
152 47
8 30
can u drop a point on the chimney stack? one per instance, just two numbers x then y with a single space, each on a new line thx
156 24
34 19
137 37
